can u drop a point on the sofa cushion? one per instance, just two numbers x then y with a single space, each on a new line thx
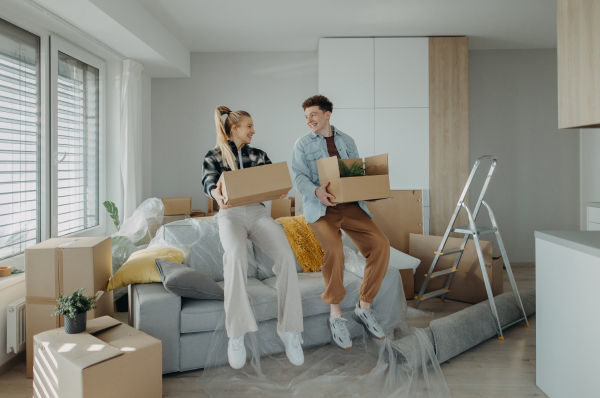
202 238
184 281
207 315
312 286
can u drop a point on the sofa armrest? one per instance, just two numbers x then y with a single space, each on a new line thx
158 313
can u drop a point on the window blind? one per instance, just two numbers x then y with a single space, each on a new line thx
78 147
19 139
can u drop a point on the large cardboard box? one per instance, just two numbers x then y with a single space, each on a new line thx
109 359
399 216
177 206
255 184
281 208
467 284
63 265
375 185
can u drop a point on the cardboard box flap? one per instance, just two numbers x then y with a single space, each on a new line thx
94 326
329 169
69 243
379 163
82 350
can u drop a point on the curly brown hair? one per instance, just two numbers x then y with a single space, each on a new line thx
318 100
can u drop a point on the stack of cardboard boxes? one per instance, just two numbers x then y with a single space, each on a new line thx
63 265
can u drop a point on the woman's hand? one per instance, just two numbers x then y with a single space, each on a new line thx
283 196
216 194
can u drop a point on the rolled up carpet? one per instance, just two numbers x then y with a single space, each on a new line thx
456 333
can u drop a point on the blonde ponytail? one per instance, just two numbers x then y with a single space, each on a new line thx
224 130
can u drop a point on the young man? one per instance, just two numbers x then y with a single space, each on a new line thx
326 219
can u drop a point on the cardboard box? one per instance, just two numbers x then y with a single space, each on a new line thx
399 216
63 265
375 185
408 283
211 213
198 213
166 219
177 206
281 208
255 184
467 284
109 359
204 218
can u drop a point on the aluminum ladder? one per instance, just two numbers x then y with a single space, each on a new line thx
472 230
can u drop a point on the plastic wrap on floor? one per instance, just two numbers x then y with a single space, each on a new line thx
372 368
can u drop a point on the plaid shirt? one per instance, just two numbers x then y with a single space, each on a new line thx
213 164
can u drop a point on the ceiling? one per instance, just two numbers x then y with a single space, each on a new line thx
297 25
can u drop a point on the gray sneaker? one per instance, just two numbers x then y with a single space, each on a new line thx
340 336
368 319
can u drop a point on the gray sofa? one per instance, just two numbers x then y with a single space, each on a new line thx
187 327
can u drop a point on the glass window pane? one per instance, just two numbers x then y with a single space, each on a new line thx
19 139
78 134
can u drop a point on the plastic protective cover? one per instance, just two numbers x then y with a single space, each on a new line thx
370 369
134 234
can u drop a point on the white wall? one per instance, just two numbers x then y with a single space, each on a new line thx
270 86
513 114
590 170
146 137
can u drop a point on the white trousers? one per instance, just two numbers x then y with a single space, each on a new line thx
255 223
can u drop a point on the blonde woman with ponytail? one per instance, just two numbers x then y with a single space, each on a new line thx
236 224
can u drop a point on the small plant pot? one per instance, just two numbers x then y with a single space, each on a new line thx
77 324
5 272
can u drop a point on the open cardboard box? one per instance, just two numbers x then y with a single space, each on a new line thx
375 185
255 184
109 359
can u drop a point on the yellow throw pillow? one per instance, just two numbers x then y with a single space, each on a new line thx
141 268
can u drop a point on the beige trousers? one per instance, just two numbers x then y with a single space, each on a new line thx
255 223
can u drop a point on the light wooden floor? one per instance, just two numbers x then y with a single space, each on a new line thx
494 368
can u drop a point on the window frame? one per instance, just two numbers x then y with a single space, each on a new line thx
56 44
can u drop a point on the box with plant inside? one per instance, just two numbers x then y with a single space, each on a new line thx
351 180
75 308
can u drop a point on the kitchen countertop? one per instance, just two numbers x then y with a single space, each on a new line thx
583 241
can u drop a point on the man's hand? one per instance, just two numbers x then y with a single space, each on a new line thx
323 195
216 194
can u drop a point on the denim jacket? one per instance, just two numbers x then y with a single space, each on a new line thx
307 150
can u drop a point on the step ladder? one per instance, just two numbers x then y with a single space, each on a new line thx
472 230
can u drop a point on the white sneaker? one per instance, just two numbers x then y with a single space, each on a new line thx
340 336
236 352
368 319
293 346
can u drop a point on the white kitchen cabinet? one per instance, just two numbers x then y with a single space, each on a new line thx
346 72
402 72
403 133
593 216
360 125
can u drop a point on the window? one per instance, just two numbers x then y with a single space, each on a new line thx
76 139
19 140
77 135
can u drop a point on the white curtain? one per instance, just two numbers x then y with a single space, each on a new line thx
131 135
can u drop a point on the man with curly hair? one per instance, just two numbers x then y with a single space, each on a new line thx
326 219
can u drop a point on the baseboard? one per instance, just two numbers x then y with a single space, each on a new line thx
12 362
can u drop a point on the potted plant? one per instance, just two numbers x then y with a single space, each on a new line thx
75 308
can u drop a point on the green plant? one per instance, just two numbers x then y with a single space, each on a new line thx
77 303
356 169
111 208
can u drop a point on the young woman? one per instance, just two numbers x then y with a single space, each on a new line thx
236 224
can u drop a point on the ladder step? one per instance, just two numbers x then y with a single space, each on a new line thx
465 229
435 293
442 273
447 252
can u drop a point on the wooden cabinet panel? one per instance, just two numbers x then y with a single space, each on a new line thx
358 124
346 72
578 52
403 133
448 128
402 72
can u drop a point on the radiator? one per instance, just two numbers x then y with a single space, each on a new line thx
15 327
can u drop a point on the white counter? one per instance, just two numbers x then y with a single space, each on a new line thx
567 273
